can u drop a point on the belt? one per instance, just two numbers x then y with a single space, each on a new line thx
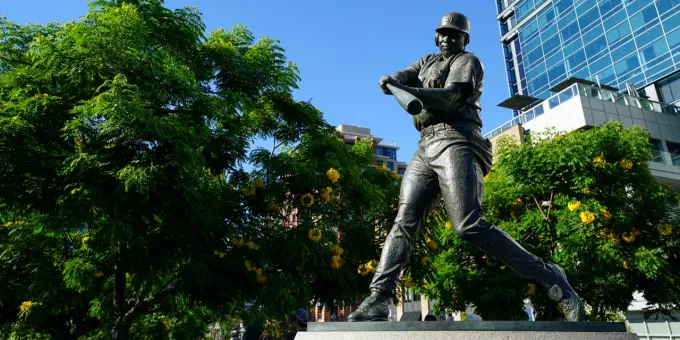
457 126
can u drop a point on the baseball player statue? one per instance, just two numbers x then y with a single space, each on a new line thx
451 161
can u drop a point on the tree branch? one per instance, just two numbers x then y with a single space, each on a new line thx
539 207
119 282
15 61
143 304
550 204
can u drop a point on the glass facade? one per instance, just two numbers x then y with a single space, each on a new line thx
387 152
611 41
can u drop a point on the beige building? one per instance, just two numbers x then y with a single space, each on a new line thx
386 152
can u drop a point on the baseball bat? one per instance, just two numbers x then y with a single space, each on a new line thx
408 101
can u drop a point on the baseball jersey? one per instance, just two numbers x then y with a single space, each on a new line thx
436 71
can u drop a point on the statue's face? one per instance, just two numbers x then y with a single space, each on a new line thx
451 41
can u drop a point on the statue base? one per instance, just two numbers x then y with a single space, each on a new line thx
466 330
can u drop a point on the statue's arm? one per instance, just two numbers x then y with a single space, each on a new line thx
409 75
406 76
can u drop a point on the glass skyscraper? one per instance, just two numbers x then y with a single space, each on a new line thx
613 42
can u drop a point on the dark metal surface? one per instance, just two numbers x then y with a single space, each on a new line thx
518 102
532 326
450 163
411 316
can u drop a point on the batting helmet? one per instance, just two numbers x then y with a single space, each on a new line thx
456 21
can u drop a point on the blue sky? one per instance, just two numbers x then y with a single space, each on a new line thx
342 48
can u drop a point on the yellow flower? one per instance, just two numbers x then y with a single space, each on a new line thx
426 261
335 262
45 95
487 177
333 175
531 289
249 266
518 202
248 191
99 275
606 214
85 239
26 305
629 237
599 162
261 278
219 253
337 250
362 270
626 264
307 200
326 193
574 205
395 175
237 242
665 229
408 283
252 245
585 191
587 217
432 244
165 324
314 234
448 225
614 238
382 167
626 164
258 183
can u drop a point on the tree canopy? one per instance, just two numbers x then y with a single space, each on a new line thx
584 200
125 208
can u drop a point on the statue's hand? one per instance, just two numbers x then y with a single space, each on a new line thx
384 80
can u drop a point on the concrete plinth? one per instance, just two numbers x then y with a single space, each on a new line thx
451 330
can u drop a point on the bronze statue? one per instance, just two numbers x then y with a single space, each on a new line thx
451 161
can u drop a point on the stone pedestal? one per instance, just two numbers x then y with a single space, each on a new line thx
452 330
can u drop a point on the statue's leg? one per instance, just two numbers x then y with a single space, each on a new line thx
461 182
418 194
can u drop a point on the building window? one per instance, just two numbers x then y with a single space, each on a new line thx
390 166
674 150
657 148
387 152
410 296
401 171
670 90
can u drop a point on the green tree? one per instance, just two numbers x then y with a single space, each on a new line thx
124 206
586 201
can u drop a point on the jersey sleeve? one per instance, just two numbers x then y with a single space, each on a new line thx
466 69
410 73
